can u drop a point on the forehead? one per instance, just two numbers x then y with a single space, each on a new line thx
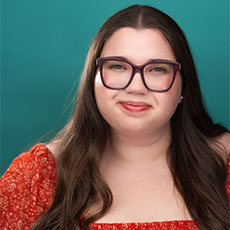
138 45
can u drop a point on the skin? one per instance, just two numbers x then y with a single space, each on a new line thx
135 166
152 126
126 42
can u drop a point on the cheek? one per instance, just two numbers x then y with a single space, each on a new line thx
105 98
169 101
176 90
97 81
99 91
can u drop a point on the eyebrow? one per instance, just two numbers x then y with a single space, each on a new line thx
148 60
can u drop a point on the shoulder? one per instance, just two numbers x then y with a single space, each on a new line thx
53 146
34 155
223 142
27 187
38 159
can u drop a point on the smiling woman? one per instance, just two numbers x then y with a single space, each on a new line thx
139 152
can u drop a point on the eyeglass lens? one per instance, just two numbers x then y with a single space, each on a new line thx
158 76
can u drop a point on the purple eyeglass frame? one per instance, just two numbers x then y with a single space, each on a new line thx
135 68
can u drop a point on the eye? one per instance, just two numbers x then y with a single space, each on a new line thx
159 69
116 66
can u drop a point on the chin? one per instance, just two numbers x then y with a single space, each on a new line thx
132 129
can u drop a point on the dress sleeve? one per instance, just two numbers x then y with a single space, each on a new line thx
27 188
228 180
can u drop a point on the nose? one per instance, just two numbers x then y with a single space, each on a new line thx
136 86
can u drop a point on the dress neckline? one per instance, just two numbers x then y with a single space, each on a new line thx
144 223
172 224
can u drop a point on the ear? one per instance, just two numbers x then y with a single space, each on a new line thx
180 99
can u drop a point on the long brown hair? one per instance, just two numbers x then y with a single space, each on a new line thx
199 171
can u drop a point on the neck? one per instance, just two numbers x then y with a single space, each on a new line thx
139 151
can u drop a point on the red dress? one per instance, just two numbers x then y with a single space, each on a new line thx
27 189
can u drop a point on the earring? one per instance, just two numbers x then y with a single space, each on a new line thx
181 97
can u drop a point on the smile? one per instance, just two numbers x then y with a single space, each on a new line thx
133 106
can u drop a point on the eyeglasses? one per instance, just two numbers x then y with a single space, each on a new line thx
157 75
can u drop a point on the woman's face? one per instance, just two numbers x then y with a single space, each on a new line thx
135 109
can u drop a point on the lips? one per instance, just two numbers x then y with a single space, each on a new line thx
134 106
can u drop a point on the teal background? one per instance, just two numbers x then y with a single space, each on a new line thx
44 44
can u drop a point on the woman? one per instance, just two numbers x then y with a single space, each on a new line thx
140 151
